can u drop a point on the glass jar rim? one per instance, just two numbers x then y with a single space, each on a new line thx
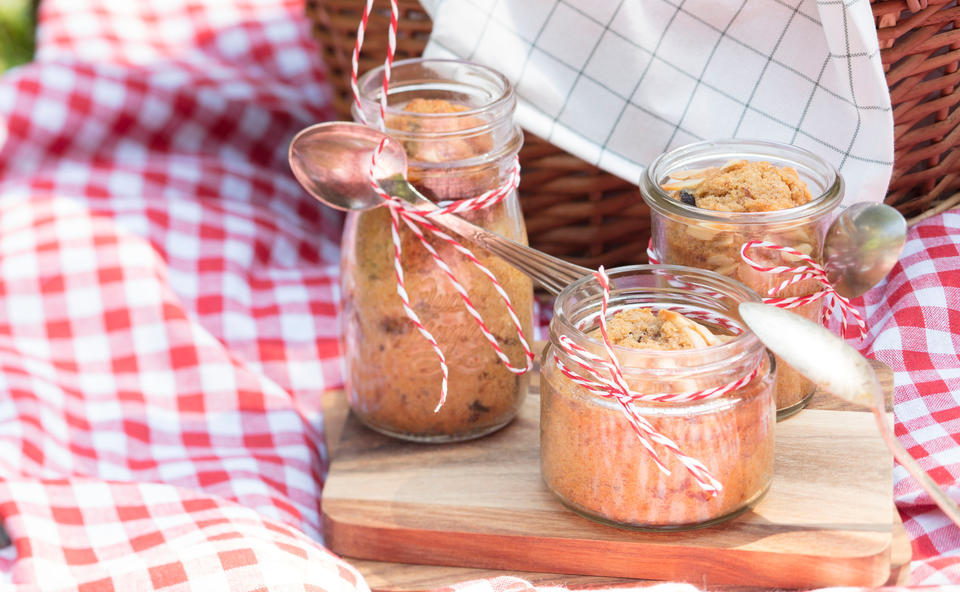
492 118
372 81
821 204
745 341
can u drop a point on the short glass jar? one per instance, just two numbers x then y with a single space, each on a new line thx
685 234
393 375
590 455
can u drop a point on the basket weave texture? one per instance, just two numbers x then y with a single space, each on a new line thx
920 50
577 211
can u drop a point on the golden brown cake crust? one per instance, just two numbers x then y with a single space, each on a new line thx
744 186
437 140
642 328
433 106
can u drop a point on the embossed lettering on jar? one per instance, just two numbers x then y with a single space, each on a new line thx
455 121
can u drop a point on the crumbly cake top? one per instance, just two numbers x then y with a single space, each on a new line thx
433 106
436 144
740 186
642 328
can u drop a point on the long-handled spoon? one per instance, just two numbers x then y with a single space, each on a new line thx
837 368
332 162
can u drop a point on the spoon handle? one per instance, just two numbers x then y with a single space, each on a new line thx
551 273
940 497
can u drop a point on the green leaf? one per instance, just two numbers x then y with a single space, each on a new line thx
16 33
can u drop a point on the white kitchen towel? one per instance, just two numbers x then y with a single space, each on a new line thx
617 82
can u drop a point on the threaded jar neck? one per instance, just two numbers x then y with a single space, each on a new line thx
701 295
822 179
485 123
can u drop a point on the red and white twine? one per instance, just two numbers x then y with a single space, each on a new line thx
652 256
387 63
603 376
417 222
811 270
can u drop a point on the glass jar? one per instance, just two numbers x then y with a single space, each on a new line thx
590 456
684 234
393 377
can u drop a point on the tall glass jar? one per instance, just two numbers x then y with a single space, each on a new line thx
684 234
455 121
592 459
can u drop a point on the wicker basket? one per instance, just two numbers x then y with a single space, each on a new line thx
577 211
920 44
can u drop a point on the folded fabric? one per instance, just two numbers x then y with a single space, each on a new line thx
167 303
617 83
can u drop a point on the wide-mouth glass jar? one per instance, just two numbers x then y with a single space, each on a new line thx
591 457
455 121
684 234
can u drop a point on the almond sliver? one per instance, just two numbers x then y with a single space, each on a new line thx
685 184
691 173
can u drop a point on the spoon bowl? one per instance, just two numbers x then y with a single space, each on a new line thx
862 246
332 161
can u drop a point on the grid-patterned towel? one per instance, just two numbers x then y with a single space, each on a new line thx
618 82
168 305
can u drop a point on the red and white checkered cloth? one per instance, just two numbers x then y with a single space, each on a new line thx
914 320
168 311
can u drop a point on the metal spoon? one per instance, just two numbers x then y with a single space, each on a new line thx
837 368
332 162
862 246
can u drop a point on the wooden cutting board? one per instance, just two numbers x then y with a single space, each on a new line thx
827 519
385 576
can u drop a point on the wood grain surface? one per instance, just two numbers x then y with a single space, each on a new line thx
417 517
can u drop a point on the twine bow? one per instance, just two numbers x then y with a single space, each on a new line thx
810 271
603 376
417 222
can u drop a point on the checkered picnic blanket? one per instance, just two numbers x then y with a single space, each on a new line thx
168 312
